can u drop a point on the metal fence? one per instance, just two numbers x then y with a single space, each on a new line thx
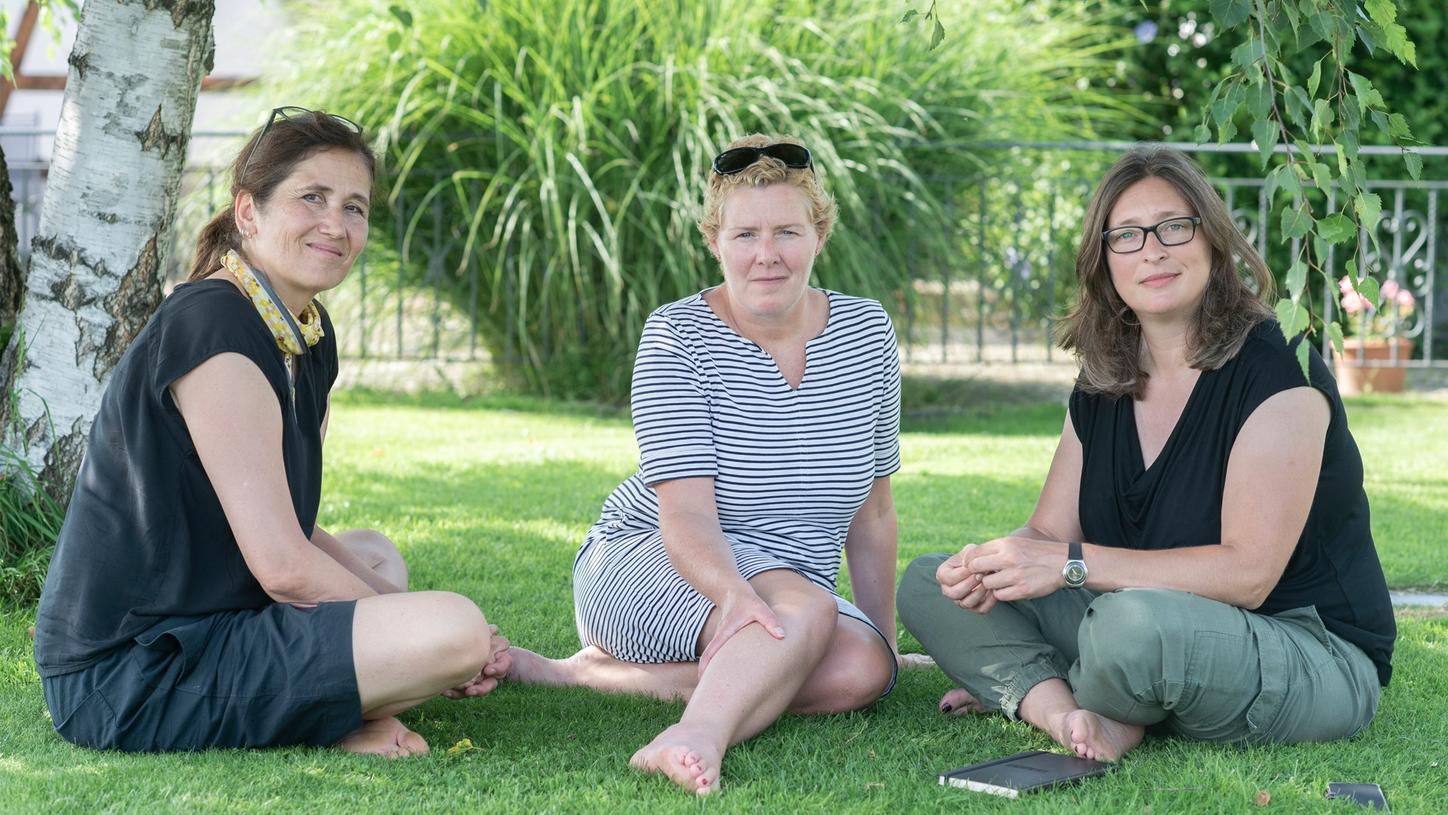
992 300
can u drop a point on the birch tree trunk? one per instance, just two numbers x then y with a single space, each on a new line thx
10 275
94 264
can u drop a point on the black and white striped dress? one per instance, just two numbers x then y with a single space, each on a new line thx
790 467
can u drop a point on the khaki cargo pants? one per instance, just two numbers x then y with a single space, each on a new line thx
1200 668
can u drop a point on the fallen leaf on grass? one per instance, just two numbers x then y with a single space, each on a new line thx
1263 798
462 747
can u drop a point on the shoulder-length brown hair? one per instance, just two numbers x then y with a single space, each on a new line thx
265 161
1105 334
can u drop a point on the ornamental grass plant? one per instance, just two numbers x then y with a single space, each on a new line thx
559 147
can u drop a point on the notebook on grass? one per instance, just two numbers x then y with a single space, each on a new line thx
1024 772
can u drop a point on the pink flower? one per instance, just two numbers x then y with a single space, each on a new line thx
1390 291
1344 284
1405 300
1352 302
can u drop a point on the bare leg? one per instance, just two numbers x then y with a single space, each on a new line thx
752 679
408 648
853 673
1050 707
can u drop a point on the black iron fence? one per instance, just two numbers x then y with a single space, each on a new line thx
991 298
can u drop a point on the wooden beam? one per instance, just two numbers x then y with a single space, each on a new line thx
17 54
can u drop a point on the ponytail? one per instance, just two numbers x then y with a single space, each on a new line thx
219 235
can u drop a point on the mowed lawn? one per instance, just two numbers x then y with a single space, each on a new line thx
490 498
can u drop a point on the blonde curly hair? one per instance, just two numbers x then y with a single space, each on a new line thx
767 170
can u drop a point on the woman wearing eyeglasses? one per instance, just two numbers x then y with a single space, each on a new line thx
766 413
193 601
1200 558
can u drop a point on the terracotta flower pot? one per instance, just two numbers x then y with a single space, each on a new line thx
1380 374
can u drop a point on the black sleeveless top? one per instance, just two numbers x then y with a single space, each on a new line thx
1177 502
144 538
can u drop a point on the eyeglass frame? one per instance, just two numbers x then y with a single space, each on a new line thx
761 152
1194 220
282 112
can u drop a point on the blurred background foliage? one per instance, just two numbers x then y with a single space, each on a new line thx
560 147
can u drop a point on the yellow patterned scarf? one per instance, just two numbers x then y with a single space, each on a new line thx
290 333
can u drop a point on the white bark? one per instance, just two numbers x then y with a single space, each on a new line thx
114 177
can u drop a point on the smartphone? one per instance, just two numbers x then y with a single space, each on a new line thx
1368 795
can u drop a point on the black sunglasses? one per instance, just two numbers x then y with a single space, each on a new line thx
794 156
292 113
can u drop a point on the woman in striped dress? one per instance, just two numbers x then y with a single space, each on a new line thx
767 414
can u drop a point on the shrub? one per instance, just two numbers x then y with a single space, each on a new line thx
29 525
561 145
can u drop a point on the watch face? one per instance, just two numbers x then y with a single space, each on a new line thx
1075 574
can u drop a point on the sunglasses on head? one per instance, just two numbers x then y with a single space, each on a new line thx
794 156
293 113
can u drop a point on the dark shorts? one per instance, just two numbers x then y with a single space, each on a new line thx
255 678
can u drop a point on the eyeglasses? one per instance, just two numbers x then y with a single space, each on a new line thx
292 113
1123 240
794 156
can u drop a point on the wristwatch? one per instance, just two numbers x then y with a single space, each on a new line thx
1074 572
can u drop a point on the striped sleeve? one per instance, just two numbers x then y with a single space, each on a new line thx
670 407
887 424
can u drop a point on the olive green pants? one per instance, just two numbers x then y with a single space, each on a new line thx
1199 668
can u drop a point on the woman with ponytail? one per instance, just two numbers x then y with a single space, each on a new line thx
193 601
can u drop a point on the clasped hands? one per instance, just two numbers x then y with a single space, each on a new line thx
1009 568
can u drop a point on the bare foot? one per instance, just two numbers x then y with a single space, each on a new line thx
1096 737
387 737
535 669
959 702
688 757
500 661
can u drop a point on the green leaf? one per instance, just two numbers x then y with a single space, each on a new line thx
1398 127
1334 333
1336 228
909 15
1394 37
1226 132
1368 288
937 36
394 40
1367 95
1321 175
1299 106
1291 317
1322 116
403 15
1282 177
1369 208
1248 53
1230 13
1382 12
1202 134
1295 223
1315 79
1296 279
1224 108
1302 351
1259 99
1264 133
1414 162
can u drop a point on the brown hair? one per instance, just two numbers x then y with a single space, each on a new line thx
1104 332
767 170
267 159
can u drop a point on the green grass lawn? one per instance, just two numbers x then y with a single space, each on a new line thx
491 498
